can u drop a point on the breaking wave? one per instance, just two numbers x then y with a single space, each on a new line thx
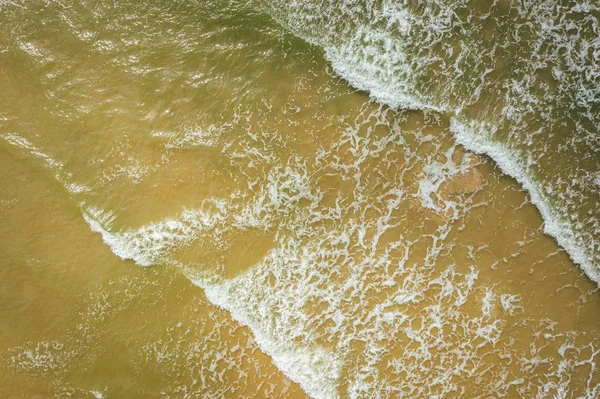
521 81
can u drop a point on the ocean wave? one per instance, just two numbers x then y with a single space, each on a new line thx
526 76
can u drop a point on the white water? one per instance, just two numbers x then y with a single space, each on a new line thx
324 289
388 48
361 276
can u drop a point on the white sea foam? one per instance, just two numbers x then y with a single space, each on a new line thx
44 356
152 243
316 369
363 75
474 136
11 3
97 394
389 48
330 282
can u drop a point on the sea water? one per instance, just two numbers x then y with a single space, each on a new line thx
353 199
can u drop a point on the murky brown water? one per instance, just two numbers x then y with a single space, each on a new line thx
193 205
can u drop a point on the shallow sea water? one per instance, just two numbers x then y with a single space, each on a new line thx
195 203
